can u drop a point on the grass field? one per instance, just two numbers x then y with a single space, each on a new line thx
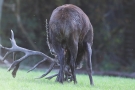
26 81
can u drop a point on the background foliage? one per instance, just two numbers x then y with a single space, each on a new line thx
112 20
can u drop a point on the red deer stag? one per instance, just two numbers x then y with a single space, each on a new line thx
70 37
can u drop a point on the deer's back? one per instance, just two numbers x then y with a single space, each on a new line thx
69 20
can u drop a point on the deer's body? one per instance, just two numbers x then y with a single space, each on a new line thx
70 30
70 38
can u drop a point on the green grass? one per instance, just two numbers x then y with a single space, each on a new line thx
26 81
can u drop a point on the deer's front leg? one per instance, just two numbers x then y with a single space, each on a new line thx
60 55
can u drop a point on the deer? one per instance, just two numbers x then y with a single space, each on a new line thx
70 39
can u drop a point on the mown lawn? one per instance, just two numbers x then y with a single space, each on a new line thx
26 81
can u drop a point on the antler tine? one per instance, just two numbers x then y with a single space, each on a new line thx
7 54
15 70
17 66
4 47
13 42
49 70
15 63
37 65
12 49
40 63
50 77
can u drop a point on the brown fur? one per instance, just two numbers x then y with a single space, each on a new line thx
70 30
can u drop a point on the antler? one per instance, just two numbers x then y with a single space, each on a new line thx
27 52
16 63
